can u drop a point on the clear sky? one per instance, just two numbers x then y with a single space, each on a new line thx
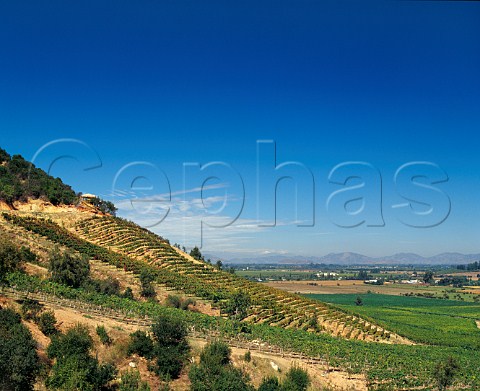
174 82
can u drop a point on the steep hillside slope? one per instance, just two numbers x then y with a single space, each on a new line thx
130 247
20 180
382 365
34 200
21 183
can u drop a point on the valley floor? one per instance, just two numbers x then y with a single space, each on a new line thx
358 287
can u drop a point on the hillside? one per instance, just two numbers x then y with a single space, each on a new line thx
126 245
131 278
275 319
119 329
22 182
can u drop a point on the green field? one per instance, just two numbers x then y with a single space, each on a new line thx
428 321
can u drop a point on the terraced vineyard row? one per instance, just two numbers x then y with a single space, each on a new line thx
133 248
179 271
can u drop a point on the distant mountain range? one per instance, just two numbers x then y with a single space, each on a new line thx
349 258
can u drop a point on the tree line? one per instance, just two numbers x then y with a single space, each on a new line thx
474 266
20 180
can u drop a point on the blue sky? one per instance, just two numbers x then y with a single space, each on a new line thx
168 83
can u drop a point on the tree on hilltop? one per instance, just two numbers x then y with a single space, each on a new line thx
196 254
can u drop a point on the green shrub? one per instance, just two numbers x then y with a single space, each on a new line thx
313 323
444 373
215 371
296 379
269 384
147 289
47 323
131 381
195 253
75 342
19 363
167 350
215 354
108 286
168 362
128 294
75 368
237 306
10 257
103 206
174 301
27 255
68 269
103 335
186 303
170 350
141 344
31 309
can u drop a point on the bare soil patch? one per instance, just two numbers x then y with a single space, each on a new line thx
4 206
347 287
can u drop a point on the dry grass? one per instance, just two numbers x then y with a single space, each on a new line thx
350 287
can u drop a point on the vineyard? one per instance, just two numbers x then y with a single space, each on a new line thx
430 321
119 243
126 245
386 366
133 318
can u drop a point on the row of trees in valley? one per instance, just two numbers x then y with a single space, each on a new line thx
474 266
